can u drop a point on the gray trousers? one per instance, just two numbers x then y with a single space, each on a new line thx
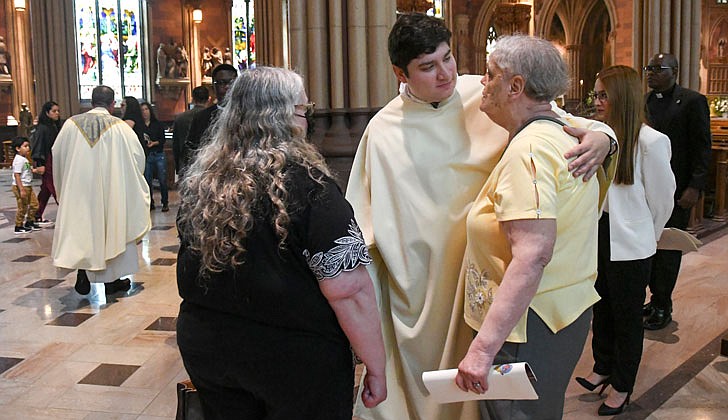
553 358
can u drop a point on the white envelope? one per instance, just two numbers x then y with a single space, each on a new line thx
510 381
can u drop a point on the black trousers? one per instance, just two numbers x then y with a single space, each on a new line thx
617 324
666 264
264 373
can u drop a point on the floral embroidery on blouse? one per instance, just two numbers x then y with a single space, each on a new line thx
478 291
350 252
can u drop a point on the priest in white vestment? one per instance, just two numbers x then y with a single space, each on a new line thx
98 169
420 164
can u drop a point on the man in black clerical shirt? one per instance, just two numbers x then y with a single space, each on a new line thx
683 115
223 77
181 127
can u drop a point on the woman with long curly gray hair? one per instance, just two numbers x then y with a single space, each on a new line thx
271 266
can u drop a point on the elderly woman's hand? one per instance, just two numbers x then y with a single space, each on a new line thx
473 370
375 389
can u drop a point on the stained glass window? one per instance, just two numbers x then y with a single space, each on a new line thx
243 34
109 40
436 9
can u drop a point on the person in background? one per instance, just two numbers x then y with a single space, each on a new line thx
49 123
181 127
271 267
223 77
154 142
420 164
131 113
22 189
103 209
683 115
530 259
638 205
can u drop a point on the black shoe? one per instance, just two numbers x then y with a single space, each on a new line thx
590 386
22 229
658 320
605 410
83 286
647 309
152 206
165 208
32 226
118 285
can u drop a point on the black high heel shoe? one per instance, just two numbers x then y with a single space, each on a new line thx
590 386
605 410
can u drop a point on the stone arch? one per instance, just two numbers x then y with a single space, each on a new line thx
480 34
573 33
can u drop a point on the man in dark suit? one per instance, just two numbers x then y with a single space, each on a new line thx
223 77
181 127
683 115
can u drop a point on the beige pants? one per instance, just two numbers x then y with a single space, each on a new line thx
27 205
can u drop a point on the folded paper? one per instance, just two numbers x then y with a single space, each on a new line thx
505 382
678 240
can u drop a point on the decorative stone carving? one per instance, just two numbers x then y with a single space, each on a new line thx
512 18
4 58
172 61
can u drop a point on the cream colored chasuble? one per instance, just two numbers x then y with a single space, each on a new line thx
98 171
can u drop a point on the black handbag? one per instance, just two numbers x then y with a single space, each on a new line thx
188 402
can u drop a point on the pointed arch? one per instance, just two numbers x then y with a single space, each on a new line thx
480 34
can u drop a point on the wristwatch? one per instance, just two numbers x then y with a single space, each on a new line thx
613 146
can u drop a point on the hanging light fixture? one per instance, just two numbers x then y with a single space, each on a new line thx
20 5
197 15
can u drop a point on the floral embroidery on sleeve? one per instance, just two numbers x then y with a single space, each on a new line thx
349 253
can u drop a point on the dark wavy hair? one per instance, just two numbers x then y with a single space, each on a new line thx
133 112
44 119
415 34
152 115
244 163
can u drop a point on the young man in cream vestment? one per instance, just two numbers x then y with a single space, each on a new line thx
98 169
420 164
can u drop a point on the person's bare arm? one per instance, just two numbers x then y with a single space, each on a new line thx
19 184
351 295
532 244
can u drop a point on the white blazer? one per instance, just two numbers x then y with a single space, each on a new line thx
638 212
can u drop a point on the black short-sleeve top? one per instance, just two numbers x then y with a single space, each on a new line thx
280 287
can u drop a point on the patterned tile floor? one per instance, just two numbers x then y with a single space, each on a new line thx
115 357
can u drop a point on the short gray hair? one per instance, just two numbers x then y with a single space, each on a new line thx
537 60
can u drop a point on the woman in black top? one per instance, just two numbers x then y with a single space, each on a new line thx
271 267
49 123
154 146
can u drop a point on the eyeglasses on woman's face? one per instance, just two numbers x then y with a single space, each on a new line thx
600 95
308 108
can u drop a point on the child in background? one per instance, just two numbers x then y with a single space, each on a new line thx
23 191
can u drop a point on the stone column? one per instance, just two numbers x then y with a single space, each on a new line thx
21 53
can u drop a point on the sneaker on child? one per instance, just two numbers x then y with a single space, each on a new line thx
32 226
22 229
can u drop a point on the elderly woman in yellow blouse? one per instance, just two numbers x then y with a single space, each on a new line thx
531 256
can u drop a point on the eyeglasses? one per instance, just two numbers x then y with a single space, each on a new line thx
655 68
310 108
601 95
227 82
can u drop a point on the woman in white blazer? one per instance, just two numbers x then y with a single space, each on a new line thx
638 205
